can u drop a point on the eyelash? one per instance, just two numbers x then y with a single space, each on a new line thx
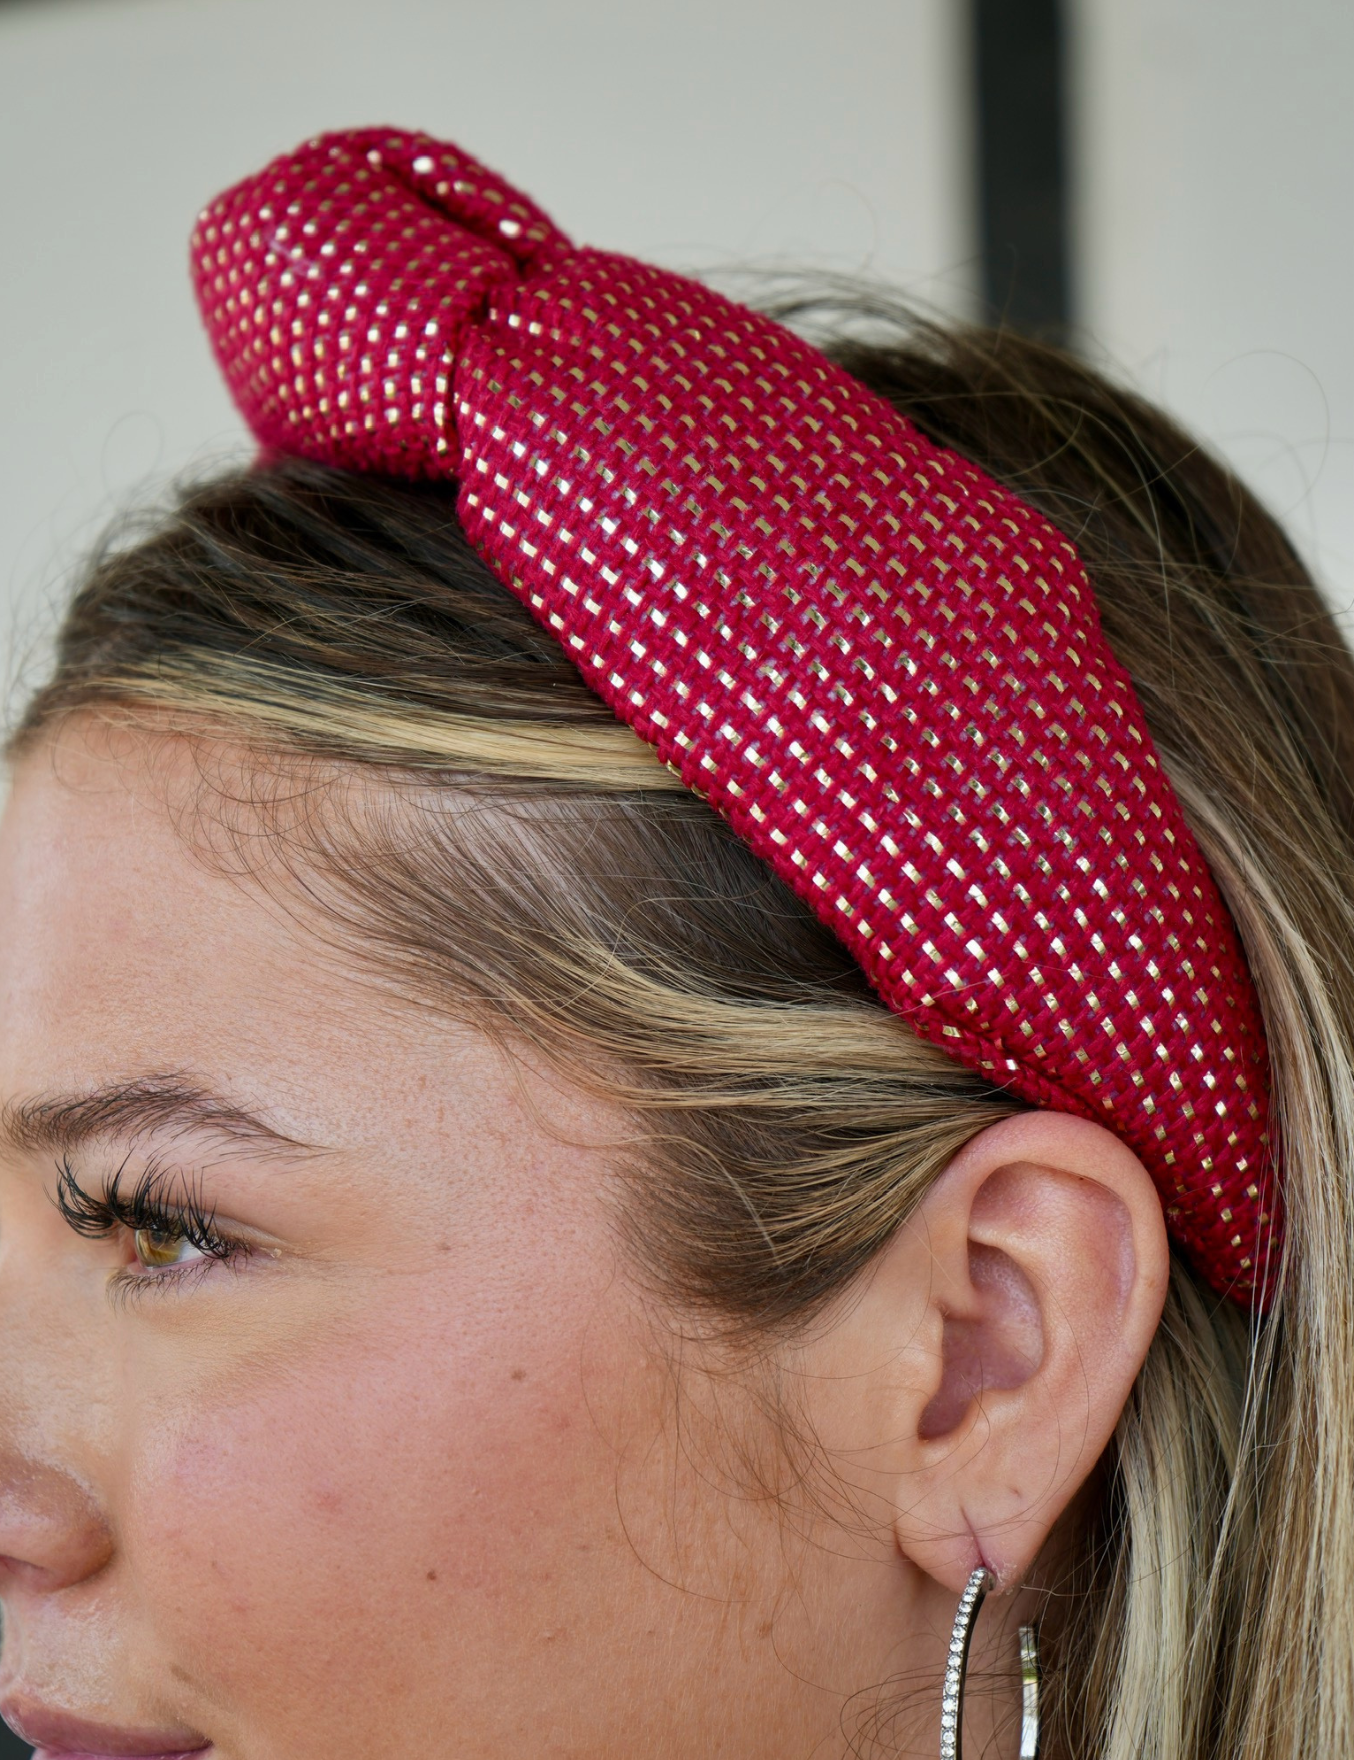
163 1201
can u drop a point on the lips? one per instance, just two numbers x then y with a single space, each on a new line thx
104 1754
56 1735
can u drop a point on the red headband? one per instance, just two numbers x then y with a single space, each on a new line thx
882 668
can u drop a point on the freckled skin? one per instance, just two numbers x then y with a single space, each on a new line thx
407 1483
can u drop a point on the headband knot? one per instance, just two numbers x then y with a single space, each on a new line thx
885 670
377 253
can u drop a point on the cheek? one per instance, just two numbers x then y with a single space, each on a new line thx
391 1513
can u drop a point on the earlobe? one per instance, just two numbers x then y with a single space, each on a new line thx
1045 1246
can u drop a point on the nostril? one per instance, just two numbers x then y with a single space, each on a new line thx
52 1533
19 1573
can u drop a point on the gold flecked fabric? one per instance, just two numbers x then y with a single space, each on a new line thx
882 668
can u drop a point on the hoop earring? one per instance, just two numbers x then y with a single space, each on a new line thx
976 1591
1029 1693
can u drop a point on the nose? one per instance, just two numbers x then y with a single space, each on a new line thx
52 1533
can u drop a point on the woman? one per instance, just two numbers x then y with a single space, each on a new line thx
662 1095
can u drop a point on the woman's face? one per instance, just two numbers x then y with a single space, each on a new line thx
392 1458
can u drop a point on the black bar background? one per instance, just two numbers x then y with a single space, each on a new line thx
11 1748
1020 158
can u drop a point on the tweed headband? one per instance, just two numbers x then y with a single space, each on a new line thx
882 668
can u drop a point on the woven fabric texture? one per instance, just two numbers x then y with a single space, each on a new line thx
882 668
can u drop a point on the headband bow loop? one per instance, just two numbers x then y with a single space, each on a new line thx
376 253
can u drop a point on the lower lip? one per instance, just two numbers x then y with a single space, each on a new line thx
70 1754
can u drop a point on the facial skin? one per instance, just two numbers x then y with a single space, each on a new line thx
418 1472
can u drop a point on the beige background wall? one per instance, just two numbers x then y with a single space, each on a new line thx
699 132
1214 139
1216 209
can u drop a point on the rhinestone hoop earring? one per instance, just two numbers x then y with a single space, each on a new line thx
976 1590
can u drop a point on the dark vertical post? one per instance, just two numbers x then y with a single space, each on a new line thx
1019 95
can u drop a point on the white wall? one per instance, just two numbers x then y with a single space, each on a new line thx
1216 203
1217 235
698 132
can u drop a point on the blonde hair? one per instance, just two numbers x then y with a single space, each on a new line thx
524 857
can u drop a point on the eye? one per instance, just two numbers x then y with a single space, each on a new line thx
157 1249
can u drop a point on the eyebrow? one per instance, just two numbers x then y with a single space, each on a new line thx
62 1123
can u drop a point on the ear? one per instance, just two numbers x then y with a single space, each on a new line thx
1021 1298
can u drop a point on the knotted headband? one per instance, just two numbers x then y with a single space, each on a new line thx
882 668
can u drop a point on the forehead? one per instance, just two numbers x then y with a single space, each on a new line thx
123 951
